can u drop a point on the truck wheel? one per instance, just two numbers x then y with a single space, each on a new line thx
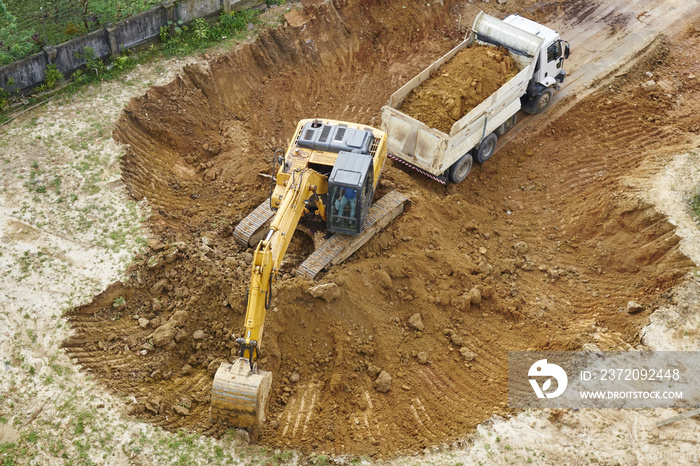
460 169
543 100
486 148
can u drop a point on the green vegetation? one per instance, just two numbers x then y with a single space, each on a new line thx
180 39
28 25
695 205
15 42
177 39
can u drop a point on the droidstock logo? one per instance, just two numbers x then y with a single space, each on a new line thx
542 368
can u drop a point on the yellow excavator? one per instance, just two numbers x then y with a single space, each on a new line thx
328 175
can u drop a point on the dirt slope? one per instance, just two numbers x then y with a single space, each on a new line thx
538 248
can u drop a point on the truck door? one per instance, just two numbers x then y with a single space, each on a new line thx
555 60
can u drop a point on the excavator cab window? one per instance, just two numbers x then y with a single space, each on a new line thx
350 190
344 212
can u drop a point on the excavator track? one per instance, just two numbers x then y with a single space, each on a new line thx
339 247
249 231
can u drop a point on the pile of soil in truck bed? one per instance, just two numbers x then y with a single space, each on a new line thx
459 86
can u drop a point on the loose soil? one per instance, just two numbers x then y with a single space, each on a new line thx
537 249
459 85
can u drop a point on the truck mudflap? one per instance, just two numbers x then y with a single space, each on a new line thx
440 179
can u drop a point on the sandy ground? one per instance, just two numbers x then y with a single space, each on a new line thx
69 229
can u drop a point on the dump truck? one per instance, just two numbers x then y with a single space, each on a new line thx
539 54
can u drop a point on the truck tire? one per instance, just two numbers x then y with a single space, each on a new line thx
486 148
460 169
543 100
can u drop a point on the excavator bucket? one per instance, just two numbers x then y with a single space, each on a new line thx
239 395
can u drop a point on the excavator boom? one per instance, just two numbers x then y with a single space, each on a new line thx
240 390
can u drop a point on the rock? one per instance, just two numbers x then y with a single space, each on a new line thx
475 296
186 369
210 175
181 410
484 268
154 405
444 298
383 382
423 357
501 2
336 381
508 266
649 86
214 366
198 334
633 307
164 334
457 339
416 322
387 184
156 306
159 286
248 258
384 279
487 292
330 436
294 378
466 354
520 247
373 371
135 409
143 322
180 335
327 291
156 322
482 250
230 263
179 318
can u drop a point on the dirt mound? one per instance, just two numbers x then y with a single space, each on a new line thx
538 250
459 85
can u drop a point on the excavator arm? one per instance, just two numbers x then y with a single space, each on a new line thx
240 389
270 252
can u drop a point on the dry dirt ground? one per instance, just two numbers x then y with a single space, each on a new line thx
541 248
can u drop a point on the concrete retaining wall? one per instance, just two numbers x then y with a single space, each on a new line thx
111 40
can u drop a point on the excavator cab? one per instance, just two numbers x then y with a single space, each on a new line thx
350 192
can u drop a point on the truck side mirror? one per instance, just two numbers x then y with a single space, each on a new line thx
567 50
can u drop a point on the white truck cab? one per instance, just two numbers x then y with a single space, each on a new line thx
549 66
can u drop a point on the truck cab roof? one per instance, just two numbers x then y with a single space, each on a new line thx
536 29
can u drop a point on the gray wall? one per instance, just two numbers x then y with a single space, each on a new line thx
67 58
140 28
192 9
30 72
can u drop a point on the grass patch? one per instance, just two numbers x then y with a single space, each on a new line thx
695 205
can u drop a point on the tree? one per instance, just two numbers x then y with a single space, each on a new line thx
14 43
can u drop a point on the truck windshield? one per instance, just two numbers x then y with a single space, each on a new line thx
343 208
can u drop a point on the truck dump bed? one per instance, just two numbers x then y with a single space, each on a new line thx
434 151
